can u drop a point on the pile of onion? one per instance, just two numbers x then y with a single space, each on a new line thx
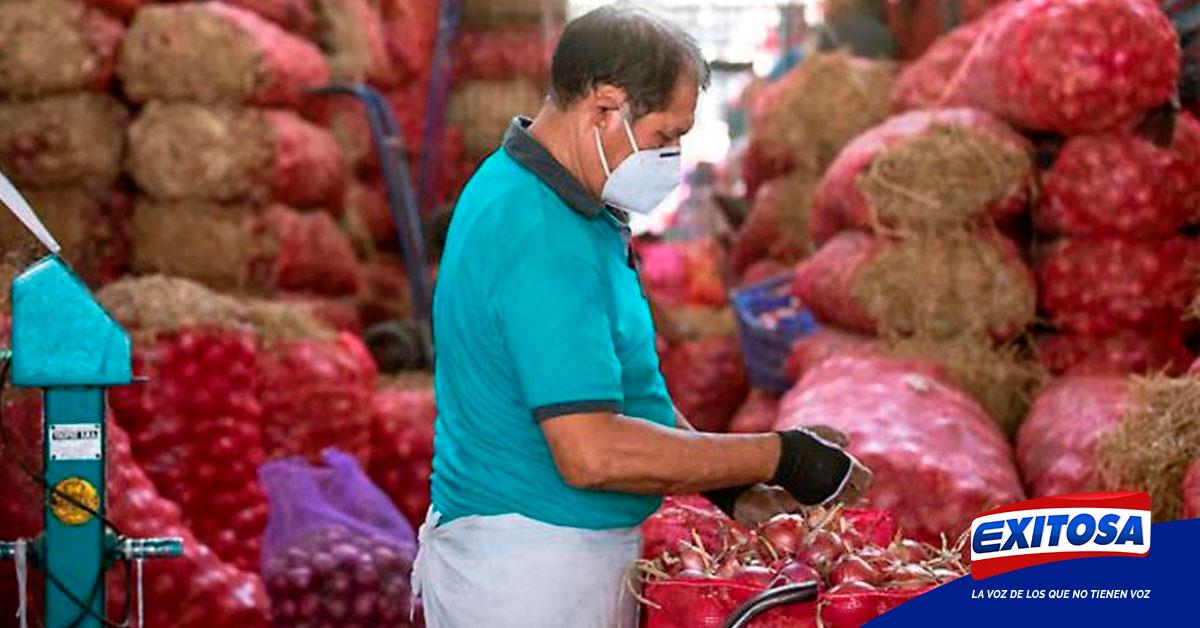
336 577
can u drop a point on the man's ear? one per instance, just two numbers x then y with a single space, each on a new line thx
605 104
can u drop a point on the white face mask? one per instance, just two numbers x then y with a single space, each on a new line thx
644 179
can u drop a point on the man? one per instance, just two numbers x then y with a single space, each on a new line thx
555 435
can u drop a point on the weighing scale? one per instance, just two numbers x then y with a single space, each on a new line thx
65 343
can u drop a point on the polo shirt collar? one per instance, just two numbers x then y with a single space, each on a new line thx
530 153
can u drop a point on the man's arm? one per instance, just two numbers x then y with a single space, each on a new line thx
603 451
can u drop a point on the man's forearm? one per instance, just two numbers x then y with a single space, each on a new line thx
636 456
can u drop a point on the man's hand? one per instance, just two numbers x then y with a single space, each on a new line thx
761 502
816 470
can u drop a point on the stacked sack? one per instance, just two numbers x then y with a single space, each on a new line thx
402 418
699 353
1114 272
912 220
501 68
233 383
62 136
237 190
798 125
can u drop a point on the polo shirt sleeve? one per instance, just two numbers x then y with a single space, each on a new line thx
555 323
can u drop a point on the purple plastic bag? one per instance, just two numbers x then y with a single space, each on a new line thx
336 551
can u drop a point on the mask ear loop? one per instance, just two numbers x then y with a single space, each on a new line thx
600 150
629 131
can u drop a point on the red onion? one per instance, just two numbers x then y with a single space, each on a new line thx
754 575
851 568
822 547
796 571
909 551
784 532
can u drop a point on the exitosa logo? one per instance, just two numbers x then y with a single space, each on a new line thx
1049 529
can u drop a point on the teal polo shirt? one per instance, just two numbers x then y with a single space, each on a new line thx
538 312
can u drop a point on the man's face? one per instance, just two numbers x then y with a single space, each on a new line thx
654 130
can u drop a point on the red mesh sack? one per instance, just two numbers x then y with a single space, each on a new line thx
966 160
503 54
825 343
187 151
368 217
928 82
688 603
1117 184
1099 287
120 8
762 235
92 229
385 291
54 46
1191 492
684 518
1073 67
707 380
675 273
195 425
296 16
65 140
918 25
315 387
194 591
1056 446
1129 351
410 27
762 270
942 285
352 36
214 52
402 417
347 121
757 414
313 253
340 314
937 457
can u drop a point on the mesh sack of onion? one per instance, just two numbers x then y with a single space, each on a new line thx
402 417
367 217
937 286
706 379
1071 67
1120 184
410 28
938 458
860 564
1101 287
918 25
757 414
504 53
929 81
337 313
1162 350
777 226
336 552
294 16
484 109
808 115
1002 378
187 151
347 122
351 34
213 52
687 272
924 169
123 9
196 424
1113 433
63 140
92 229
197 590
385 291
237 247
315 385
1191 492
54 46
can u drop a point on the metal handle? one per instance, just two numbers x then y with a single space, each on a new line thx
769 599
161 547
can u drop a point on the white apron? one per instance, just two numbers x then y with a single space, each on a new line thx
510 571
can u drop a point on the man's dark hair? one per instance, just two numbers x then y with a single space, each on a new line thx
628 48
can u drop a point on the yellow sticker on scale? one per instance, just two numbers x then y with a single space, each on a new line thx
82 492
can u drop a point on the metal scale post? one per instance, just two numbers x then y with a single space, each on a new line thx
65 343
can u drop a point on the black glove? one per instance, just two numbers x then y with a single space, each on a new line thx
812 469
726 498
